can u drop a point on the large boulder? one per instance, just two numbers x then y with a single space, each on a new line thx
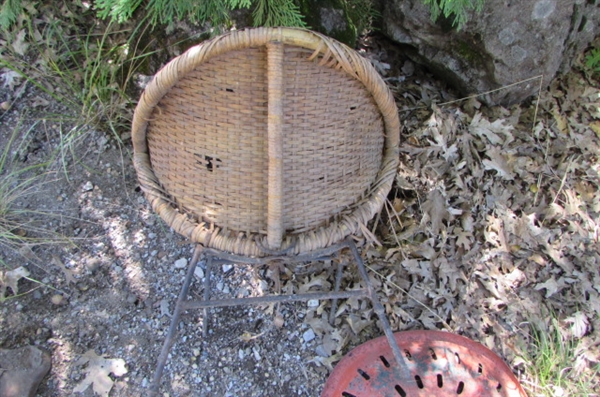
508 42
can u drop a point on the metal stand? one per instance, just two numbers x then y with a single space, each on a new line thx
218 257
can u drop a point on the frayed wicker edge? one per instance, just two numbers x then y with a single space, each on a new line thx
334 54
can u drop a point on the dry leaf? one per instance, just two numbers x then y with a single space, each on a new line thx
595 126
580 324
247 336
97 372
319 281
327 361
357 324
10 279
11 79
20 45
435 208
550 285
561 121
67 272
498 163
491 131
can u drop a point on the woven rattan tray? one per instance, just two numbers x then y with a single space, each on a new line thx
266 141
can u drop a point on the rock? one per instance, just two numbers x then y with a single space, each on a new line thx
508 42
199 273
56 299
336 18
226 268
312 303
87 187
308 335
181 263
22 371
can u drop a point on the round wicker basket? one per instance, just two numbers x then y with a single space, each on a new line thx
266 141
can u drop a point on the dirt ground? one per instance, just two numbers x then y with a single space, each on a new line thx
492 227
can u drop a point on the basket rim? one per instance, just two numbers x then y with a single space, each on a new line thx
334 54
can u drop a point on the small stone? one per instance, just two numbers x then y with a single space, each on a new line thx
87 187
312 303
308 335
199 273
227 268
181 263
278 321
256 353
57 299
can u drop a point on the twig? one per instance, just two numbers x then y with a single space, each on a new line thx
541 77
564 178
537 103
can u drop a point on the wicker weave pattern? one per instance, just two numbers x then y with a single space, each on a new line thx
207 141
331 157
202 137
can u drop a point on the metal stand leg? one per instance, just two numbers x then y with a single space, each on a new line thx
214 256
377 306
164 353
338 281
205 319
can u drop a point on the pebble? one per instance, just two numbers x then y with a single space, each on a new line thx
313 303
181 263
257 356
227 268
57 299
308 335
88 186
199 273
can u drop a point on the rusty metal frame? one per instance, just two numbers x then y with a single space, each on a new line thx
214 257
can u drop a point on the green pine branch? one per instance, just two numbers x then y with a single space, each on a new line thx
458 10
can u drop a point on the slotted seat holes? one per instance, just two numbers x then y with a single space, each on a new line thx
384 361
432 353
400 391
364 374
419 381
460 388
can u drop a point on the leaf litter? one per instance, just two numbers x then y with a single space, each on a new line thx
494 222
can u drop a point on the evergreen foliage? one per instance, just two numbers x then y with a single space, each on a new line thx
265 13
592 60
458 10
277 13
9 12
